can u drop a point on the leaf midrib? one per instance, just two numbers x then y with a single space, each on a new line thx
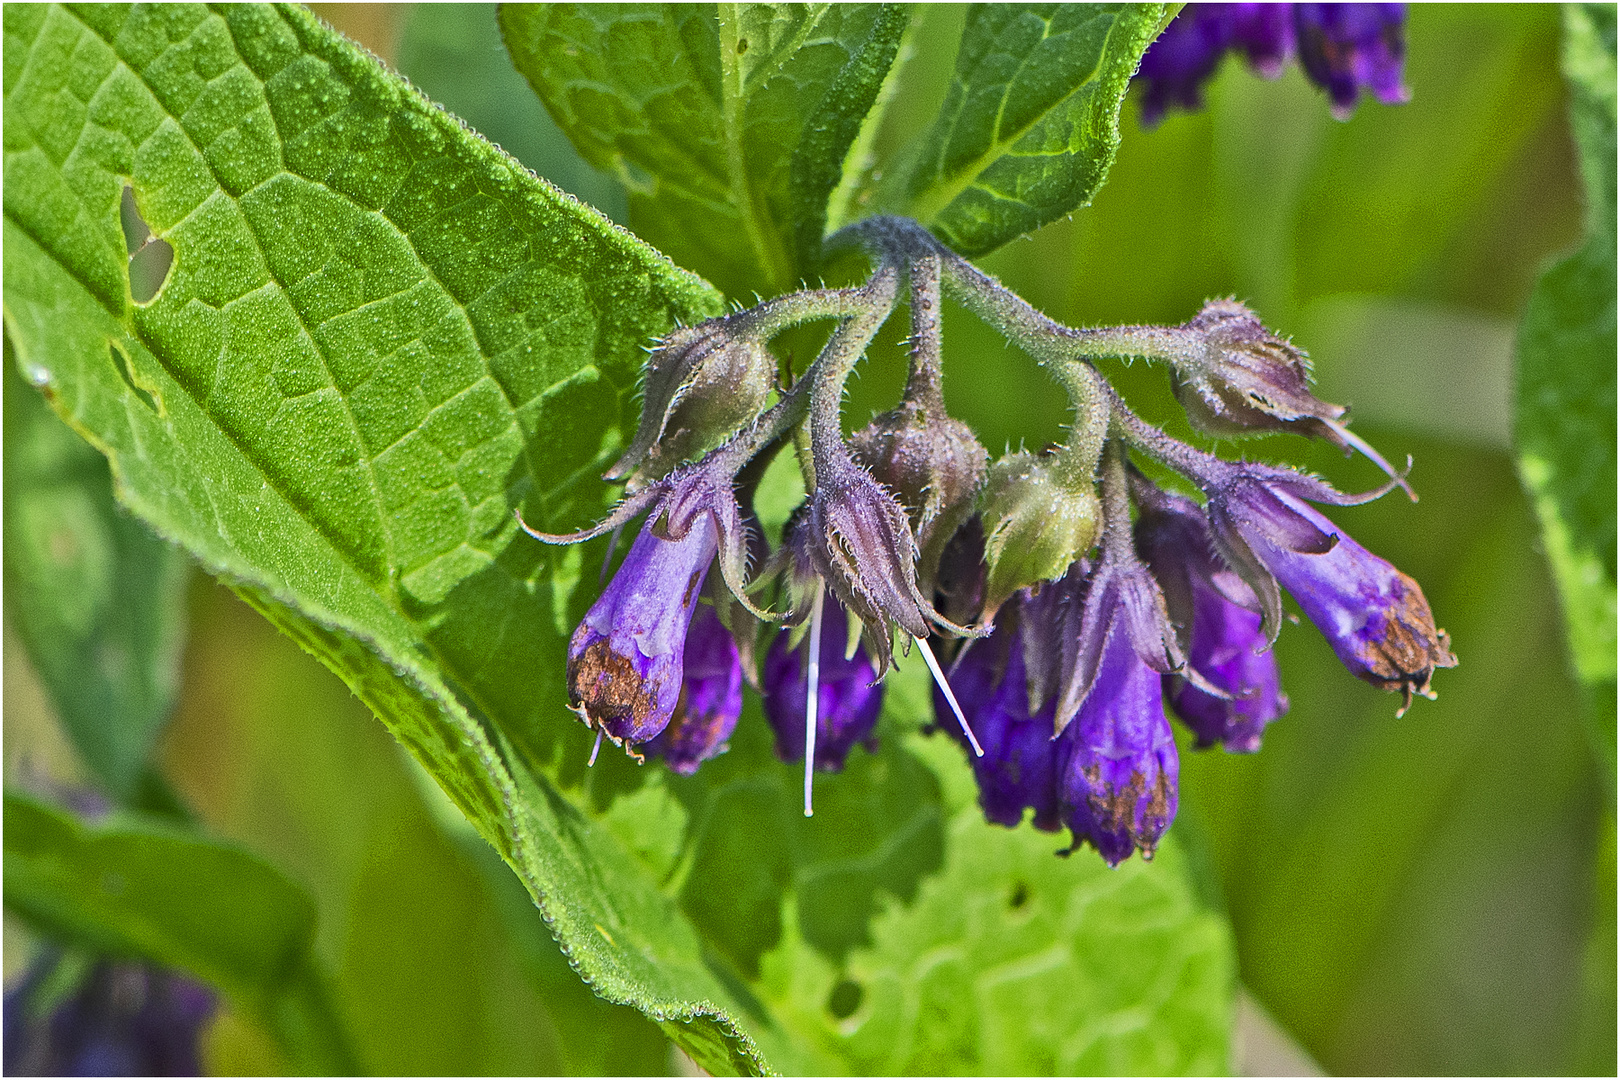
766 245
933 201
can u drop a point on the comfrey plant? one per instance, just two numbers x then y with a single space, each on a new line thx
1069 620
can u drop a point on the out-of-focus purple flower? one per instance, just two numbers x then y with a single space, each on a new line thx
1344 48
1375 617
125 1019
1265 33
626 659
1176 66
1019 766
1117 765
711 698
848 700
1219 615
1348 48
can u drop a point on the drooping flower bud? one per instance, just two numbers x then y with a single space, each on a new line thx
848 698
932 464
1245 380
1348 48
711 698
1036 525
1117 764
702 384
1019 766
126 1018
1375 617
1264 33
862 547
1218 616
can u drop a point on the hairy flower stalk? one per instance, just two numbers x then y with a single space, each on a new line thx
1093 619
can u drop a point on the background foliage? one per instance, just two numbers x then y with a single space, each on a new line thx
1386 901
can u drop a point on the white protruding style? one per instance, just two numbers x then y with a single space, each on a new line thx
939 677
812 698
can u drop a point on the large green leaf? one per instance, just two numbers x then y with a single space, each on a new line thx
379 334
728 123
95 596
1031 121
1565 409
454 55
133 888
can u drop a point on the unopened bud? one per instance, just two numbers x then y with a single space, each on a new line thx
1036 525
1247 380
933 465
702 384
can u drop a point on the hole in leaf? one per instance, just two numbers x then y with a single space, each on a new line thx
1019 897
844 999
125 372
149 258
136 231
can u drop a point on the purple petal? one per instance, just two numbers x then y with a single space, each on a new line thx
1117 760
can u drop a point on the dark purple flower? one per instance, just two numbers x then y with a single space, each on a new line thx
626 659
1347 48
848 700
1375 617
1218 614
125 1019
1344 48
711 698
1117 765
1121 602
1019 766
1176 66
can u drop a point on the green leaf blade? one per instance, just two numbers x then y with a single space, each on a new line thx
1564 412
97 599
1031 121
729 124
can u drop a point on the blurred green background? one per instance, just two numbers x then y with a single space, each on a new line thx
1429 894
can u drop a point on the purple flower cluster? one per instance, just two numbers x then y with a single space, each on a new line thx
123 1019
1072 597
1344 48
1109 772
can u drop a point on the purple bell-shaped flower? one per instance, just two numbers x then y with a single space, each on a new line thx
1219 615
1348 48
711 698
1117 765
1376 618
626 660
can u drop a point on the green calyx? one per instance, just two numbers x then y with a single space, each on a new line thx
1035 525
